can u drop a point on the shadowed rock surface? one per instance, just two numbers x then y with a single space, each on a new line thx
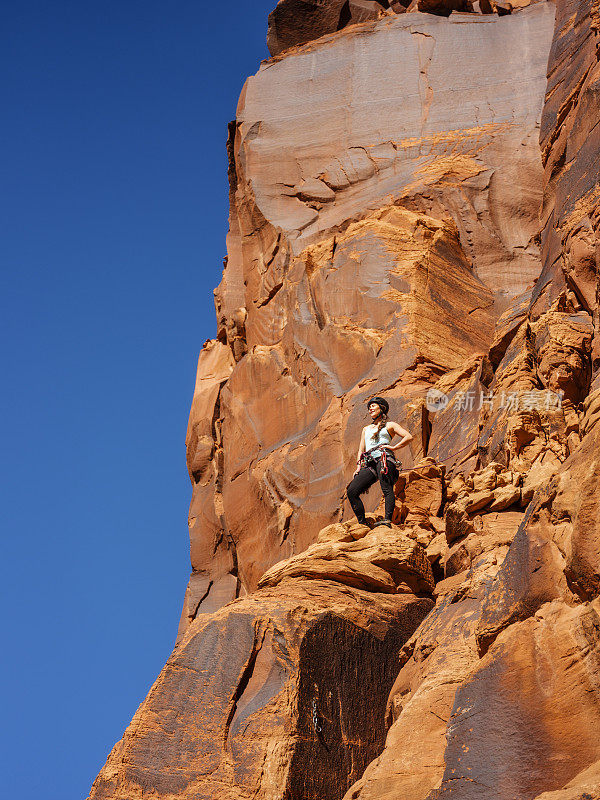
414 213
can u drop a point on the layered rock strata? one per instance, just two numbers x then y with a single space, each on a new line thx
414 212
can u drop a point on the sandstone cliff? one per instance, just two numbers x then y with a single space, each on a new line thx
414 213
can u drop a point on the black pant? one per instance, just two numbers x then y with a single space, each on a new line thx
365 479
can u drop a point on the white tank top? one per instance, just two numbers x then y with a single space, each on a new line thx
373 439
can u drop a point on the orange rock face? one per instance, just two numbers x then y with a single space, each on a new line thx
368 251
248 705
415 204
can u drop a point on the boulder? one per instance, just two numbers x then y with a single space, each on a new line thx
383 560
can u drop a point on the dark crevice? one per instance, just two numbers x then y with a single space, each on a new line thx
275 251
321 322
339 729
234 556
216 437
498 351
202 599
242 684
231 168
286 528
585 590
426 428
345 16
270 296
218 541
438 571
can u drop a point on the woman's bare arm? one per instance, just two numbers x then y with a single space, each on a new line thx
405 436
361 450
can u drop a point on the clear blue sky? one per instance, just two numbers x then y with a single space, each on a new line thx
114 214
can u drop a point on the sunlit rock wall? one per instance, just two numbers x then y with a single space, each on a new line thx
386 184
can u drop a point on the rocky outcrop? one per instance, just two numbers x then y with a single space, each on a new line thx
297 22
247 706
377 561
414 213
557 552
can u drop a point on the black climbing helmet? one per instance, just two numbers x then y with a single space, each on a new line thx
381 402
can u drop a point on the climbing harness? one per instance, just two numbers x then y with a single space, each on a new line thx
367 460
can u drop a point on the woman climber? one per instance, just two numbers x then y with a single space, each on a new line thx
376 459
